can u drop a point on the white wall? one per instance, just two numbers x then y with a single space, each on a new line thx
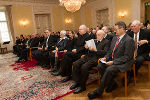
136 4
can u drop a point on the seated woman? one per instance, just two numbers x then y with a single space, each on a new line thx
60 46
69 46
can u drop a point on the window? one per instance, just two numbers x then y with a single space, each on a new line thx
4 31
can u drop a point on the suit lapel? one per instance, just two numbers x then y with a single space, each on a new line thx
121 42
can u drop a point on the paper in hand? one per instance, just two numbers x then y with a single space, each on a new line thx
103 61
91 43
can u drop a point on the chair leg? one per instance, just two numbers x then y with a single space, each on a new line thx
30 55
134 74
98 78
149 71
125 86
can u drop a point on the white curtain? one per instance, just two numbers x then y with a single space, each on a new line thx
4 30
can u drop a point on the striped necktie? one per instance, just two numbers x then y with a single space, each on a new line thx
117 42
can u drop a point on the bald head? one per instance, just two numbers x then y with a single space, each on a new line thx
100 34
82 29
136 26
106 29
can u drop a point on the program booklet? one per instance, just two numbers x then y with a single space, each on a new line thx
91 43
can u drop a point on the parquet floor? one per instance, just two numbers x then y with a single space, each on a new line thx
139 92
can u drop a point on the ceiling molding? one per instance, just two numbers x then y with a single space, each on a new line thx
34 1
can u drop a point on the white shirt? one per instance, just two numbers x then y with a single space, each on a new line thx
137 36
47 42
121 37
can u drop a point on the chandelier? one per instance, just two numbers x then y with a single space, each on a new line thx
72 5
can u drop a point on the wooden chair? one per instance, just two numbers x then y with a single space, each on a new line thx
95 68
3 49
148 65
30 52
60 60
124 74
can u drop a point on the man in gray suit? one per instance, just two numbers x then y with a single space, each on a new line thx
118 59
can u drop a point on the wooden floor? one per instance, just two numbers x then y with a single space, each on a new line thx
139 92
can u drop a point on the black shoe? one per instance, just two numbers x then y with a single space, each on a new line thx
93 95
75 85
55 73
111 88
24 60
79 90
66 79
19 60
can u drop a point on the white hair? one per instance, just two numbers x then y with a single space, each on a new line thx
83 27
136 22
101 32
63 32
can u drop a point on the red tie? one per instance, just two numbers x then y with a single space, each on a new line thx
117 42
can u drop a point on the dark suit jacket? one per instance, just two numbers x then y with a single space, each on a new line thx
34 42
51 43
61 44
123 54
70 44
143 50
109 37
102 48
92 36
80 42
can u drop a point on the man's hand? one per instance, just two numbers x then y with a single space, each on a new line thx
56 49
39 48
74 50
141 42
109 63
46 48
104 59
92 49
65 51
27 46
86 46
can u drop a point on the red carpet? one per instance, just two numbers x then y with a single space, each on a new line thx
26 66
26 81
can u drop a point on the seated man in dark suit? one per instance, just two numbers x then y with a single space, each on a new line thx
142 42
37 54
118 59
42 56
83 65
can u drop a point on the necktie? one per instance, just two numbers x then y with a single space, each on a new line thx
135 41
117 42
47 42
